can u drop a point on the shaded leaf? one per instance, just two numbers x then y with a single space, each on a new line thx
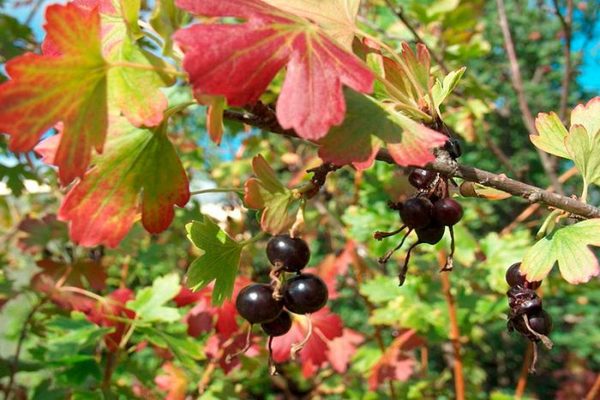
569 247
250 54
219 261
368 126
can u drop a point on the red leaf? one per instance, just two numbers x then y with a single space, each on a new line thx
326 327
103 206
173 381
38 232
250 54
220 346
70 87
75 274
101 315
341 349
395 364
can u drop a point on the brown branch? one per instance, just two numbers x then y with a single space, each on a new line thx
532 208
522 382
400 14
567 23
517 83
451 168
593 393
459 379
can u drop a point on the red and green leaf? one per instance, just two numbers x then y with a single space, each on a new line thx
140 171
266 193
69 86
369 125
250 54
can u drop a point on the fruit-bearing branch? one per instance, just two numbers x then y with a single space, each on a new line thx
263 117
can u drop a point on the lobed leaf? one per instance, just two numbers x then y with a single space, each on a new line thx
368 126
250 54
140 169
569 247
219 262
66 84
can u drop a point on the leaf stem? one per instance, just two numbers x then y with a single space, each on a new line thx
217 190
259 236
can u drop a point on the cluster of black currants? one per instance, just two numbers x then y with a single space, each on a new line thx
526 314
270 305
428 213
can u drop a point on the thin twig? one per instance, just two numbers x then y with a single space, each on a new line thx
593 393
517 82
14 366
451 168
532 208
524 375
459 380
566 22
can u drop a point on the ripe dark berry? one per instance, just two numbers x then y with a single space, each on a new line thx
541 323
416 212
256 304
514 278
304 294
430 234
279 326
447 211
292 253
421 178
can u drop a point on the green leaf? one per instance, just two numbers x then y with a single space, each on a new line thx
584 150
166 18
266 193
569 247
184 348
551 135
219 262
442 89
149 303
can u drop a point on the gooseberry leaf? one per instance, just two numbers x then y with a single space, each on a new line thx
551 135
266 193
251 53
134 77
149 303
65 85
581 143
335 17
569 247
442 88
369 125
139 170
219 261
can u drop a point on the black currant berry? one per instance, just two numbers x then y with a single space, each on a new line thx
416 212
421 178
255 303
292 253
304 294
430 234
447 211
541 323
514 278
279 326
